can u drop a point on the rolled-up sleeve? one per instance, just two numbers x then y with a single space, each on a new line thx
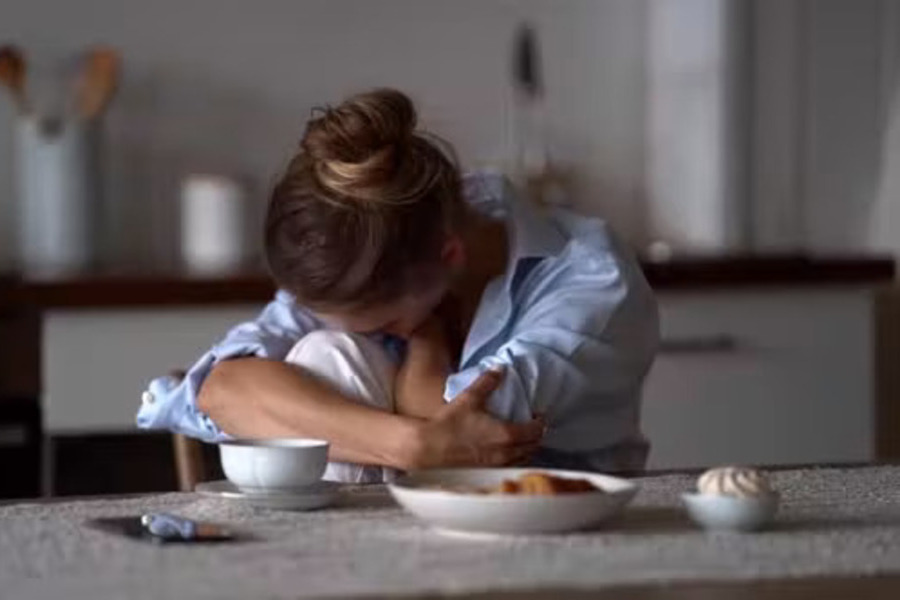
577 354
171 403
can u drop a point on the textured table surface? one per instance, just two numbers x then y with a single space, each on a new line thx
833 522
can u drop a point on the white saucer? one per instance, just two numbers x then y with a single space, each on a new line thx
318 495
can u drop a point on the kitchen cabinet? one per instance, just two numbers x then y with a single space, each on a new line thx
763 377
20 447
96 363
20 422
766 360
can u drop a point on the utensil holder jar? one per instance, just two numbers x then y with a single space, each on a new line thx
57 176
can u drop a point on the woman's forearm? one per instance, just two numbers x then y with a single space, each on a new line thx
420 394
420 383
251 397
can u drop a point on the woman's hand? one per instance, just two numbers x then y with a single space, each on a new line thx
462 433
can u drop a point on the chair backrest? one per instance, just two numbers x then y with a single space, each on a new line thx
194 460
189 462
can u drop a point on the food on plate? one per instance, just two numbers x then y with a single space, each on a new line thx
529 484
735 482
543 484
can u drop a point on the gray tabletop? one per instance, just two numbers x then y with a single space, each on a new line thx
834 522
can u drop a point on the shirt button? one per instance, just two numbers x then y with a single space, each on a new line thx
148 398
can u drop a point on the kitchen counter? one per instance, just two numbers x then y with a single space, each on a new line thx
767 271
686 273
832 523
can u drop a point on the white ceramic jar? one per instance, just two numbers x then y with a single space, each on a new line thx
212 224
58 192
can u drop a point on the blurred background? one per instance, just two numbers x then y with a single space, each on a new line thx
749 150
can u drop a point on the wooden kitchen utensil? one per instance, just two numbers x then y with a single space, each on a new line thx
97 82
12 74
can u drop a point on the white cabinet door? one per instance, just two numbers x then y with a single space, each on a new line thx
97 363
762 378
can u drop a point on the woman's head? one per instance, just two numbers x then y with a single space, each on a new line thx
362 226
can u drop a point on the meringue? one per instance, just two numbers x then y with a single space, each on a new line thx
735 482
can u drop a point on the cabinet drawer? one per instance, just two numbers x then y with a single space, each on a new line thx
768 378
97 363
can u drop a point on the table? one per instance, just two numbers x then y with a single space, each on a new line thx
838 533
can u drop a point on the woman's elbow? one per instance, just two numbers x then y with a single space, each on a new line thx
213 393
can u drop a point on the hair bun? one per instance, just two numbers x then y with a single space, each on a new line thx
357 147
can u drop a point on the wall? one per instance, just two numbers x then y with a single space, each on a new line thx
827 125
226 85
845 122
883 226
698 56
823 126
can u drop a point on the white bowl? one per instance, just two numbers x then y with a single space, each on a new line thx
273 465
507 514
726 513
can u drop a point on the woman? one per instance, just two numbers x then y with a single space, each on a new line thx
425 319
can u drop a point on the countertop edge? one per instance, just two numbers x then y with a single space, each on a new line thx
688 274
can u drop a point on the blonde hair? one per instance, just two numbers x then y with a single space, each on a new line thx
364 206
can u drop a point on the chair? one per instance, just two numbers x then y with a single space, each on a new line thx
190 465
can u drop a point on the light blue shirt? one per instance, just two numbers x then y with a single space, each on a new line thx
573 320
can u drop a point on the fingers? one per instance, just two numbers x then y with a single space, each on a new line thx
523 433
501 456
476 395
511 434
521 455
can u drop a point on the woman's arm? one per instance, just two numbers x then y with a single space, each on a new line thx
578 352
252 397
171 403
419 388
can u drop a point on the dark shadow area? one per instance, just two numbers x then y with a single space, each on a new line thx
119 464
643 520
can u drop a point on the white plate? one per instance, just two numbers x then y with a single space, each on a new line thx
504 514
318 495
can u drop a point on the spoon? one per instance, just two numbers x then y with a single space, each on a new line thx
97 82
12 74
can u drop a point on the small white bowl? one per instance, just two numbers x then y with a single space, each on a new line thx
726 513
288 464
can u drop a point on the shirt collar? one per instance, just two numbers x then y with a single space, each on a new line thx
533 234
